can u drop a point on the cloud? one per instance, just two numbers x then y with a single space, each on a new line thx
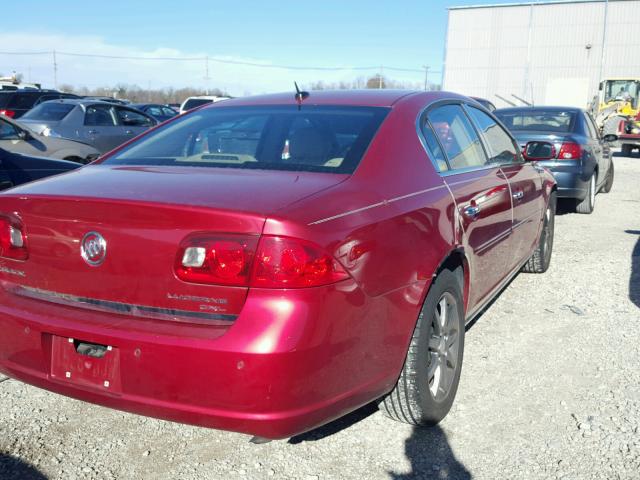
158 73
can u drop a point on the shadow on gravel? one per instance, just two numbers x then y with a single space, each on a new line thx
634 280
336 426
13 468
431 457
565 206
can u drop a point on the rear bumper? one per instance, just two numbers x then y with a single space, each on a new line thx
286 366
571 177
629 139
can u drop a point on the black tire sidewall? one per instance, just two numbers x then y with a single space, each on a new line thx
434 411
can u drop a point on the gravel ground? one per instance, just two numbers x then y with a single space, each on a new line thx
550 389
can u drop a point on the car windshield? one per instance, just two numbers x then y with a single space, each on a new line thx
556 121
318 139
49 111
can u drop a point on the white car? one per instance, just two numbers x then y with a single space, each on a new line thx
193 102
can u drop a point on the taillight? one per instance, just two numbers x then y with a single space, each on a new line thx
274 262
570 151
12 240
216 260
8 113
292 263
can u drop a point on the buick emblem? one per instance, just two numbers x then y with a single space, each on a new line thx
93 248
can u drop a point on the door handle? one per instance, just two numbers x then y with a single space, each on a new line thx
93 132
518 195
471 211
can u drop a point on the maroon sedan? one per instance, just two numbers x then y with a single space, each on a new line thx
268 264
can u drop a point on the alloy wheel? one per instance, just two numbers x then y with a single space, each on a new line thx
444 344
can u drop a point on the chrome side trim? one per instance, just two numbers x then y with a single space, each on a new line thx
377 204
157 313
525 219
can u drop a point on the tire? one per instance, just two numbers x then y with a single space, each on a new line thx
588 203
429 379
541 259
626 149
606 188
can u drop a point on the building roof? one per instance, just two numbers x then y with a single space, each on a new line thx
526 4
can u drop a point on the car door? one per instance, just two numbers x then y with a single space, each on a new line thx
133 122
600 148
525 183
482 198
5 178
101 128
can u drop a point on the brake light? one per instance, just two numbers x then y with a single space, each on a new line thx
216 260
274 262
8 113
12 240
292 263
570 151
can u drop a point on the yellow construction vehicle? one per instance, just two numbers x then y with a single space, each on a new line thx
616 110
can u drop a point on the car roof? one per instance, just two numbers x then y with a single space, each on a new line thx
540 108
85 102
370 98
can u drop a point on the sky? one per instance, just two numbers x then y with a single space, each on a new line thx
403 34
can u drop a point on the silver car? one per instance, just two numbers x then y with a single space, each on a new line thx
101 124
19 139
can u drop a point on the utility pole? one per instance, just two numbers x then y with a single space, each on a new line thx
55 71
206 75
380 77
604 39
426 77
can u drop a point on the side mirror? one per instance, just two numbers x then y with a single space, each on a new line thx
534 151
24 135
610 138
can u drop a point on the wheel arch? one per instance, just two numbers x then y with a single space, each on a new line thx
456 261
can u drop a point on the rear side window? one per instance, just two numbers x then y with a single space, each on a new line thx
435 152
459 140
317 139
99 116
500 143
22 101
195 102
50 111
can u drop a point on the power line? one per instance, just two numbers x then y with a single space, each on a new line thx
218 60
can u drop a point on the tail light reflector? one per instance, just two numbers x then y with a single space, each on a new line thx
570 151
274 262
12 240
292 263
8 113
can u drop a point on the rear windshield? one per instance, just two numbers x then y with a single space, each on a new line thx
195 102
49 111
4 98
538 120
22 101
317 139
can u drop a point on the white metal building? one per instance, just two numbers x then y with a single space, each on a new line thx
553 53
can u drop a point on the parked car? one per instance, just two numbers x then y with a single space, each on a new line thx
202 275
102 125
14 104
159 112
580 159
16 169
19 139
193 102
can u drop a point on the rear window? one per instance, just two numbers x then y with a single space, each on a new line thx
195 102
4 99
538 120
317 139
49 111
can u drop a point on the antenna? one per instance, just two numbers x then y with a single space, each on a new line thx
301 95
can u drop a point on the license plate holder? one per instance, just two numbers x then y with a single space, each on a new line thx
86 364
